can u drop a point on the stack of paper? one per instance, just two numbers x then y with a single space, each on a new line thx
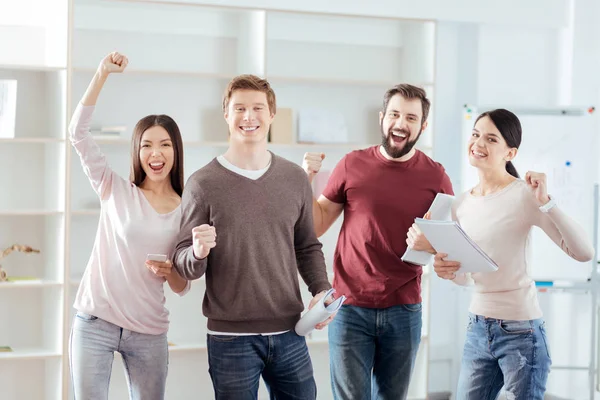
449 238
440 210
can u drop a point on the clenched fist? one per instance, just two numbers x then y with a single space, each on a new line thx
113 63
312 164
537 184
204 238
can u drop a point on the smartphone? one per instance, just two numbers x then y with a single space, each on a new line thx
157 257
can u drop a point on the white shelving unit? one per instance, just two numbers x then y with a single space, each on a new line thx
181 59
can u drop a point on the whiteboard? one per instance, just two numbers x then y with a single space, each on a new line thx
562 144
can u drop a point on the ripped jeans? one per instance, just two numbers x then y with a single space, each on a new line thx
502 353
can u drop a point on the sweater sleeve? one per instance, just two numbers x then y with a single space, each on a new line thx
193 215
564 231
309 254
93 161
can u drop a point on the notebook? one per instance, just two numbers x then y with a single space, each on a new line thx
448 237
440 210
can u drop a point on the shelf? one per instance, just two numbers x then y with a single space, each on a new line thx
187 143
187 347
29 354
323 145
34 68
197 143
34 140
580 287
424 338
273 79
197 74
89 211
29 283
76 282
51 205
24 213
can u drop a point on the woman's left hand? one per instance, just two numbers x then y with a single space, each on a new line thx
158 268
537 183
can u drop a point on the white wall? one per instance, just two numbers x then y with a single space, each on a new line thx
548 13
517 65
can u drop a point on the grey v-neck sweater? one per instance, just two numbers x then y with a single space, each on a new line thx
265 236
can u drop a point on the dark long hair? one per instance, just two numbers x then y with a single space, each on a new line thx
137 174
510 128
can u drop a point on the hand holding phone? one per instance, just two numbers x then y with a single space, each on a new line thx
159 264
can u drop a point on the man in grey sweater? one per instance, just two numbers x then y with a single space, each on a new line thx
247 225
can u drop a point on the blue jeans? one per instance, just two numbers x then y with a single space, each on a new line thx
502 353
91 351
378 343
236 364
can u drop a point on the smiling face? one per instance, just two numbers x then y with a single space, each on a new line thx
248 116
401 125
487 147
156 153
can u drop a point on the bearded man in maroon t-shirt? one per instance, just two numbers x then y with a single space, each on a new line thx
381 190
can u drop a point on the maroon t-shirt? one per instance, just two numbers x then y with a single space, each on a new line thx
381 200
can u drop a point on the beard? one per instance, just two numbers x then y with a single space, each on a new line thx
392 150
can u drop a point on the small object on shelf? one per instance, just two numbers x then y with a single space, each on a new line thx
171 344
15 247
23 279
5 349
321 126
108 132
281 131
8 108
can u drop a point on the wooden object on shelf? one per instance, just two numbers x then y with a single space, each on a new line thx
281 131
7 251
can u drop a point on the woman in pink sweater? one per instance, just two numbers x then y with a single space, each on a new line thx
506 342
120 301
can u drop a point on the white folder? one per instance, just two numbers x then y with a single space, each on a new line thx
318 313
448 237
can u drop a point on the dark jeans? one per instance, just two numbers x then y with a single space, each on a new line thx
236 364
372 351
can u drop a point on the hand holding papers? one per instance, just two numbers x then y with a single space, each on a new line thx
440 210
318 313
449 238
